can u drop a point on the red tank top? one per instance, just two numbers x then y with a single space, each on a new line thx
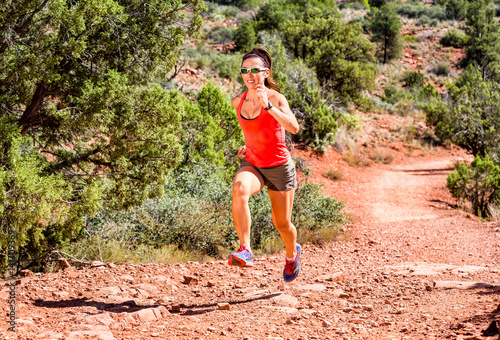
264 139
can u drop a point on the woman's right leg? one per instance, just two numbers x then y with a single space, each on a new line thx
247 182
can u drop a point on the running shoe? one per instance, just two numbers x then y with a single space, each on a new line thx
292 268
242 258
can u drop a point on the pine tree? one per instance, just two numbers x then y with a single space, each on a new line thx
386 29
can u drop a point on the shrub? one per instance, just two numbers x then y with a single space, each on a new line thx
245 37
441 69
420 11
334 175
413 79
381 157
454 38
392 95
194 216
355 159
362 21
314 211
221 35
479 184
410 38
424 20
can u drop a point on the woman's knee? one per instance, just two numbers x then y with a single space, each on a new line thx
241 189
284 225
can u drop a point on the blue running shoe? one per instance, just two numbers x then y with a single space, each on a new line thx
292 268
242 258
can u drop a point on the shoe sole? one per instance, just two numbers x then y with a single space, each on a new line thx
237 262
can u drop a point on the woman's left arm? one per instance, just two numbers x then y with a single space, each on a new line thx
281 111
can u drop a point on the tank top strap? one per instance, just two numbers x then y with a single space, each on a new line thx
241 103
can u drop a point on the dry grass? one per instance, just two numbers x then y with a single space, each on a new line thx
381 157
332 174
345 139
494 210
355 159
113 251
318 236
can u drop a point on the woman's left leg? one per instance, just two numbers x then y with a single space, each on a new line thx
282 203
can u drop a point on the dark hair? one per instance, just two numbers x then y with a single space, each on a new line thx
264 55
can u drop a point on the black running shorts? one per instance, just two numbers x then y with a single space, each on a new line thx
278 178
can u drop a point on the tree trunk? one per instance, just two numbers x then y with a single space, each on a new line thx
31 111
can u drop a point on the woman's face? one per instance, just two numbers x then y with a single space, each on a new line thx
253 79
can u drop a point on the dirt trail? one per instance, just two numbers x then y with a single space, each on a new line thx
404 272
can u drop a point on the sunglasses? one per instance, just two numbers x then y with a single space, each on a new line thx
244 70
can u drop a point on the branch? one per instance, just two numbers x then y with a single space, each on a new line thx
72 258
21 29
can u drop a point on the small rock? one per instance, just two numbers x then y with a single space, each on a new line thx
326 323
96 264
25 273
63 262
190 280
127 278
223 306
145 315
335 277
210 284
367 308
22 281
112 265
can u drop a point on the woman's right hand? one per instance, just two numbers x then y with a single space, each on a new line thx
242 151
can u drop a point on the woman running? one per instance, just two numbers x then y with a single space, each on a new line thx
264 115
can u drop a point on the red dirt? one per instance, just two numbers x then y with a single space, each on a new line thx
400 272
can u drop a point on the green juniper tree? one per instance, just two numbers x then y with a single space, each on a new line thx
471 116
483 31
80 127
386 29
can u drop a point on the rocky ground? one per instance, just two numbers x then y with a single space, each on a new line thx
411 266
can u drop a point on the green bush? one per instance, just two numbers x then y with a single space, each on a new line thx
420 11
245 37
221 35
194 215
479 184
392 95
410 38
471 113
224 65
355 4
413 79
455 9
441 69
454 38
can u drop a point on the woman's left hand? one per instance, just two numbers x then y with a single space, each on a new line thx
262 94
